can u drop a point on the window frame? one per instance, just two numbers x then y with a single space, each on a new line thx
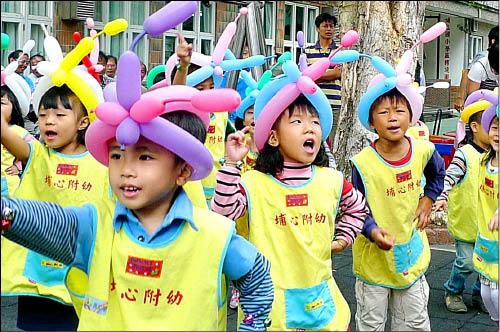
270 41
292 44
472 51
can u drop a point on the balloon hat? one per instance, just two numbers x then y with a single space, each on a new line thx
15 82
477 101
58 70
90 62
492 111
390 78
127 115
278 94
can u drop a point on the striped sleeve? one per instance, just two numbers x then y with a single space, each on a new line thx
229 197
43 227
257 294
454 174
353 211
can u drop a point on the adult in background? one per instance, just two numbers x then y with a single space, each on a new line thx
109 71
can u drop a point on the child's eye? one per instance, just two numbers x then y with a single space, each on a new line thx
61 114
316 122
145 157
400 111
296 121
115 156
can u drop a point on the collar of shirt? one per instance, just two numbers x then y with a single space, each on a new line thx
181 210
477 147
331 47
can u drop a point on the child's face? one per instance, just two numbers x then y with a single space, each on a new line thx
298 136
59 126
6 108
207 84
249 120
493 135
390 120
111 68
479 133
145 176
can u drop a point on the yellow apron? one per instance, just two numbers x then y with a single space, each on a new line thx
293 227
10 182
485 255
392 192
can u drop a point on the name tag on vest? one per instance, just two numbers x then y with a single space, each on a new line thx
67 169
297 200
402 177
144 267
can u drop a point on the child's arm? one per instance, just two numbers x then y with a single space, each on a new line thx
229 199
355 214
434 173
493 224
184 51
46 228
12 142
250 272
454 174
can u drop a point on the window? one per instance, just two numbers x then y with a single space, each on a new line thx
299 17
475 46
21 21
135 12
198 30
269 25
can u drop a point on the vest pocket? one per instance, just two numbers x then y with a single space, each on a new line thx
407 254
486 249
5 189
309 308
44 270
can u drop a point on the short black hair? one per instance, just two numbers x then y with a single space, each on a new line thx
192 67
15 55
63 93
469 135
394 96
102 55
270 160
111 57
38 55
188 121
493 56
325 17
493 35
17 116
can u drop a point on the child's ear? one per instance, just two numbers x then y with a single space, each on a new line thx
184 174
273 139
84 123
475 127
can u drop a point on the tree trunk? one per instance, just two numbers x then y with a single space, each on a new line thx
386 29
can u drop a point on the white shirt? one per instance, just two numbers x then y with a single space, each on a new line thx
481 71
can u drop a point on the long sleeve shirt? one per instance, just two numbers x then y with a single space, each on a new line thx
230 199
456 171
68 234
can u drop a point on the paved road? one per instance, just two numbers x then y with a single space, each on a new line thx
438 272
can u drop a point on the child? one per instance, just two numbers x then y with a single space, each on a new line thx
61 171
292 199
157 262
15 92
389 173
461 180
486 247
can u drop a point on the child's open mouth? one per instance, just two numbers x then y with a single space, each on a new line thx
50 134
130 191
394 129
309 146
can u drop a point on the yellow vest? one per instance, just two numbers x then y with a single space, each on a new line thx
194 190
10 182
293 227
69 180
462 203
249 162
485 255
215 143
393 194
170 288
418 132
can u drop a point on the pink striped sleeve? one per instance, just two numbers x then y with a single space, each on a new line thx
354 211
229 198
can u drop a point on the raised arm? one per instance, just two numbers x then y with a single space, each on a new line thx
14 143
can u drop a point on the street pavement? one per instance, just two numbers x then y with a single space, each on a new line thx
437 274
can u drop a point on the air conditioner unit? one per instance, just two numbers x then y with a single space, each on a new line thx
77 10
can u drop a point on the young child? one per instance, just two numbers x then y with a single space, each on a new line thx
461 180
61 171
486 247
15 105
291 200
157 262
389 172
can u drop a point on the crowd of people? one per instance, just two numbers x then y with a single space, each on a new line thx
131 206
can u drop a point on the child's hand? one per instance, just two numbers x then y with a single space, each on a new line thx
12 170
441 205
236 147
423 212
338 246
184 51
493 224
382 238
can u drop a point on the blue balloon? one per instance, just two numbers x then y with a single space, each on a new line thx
369 97
291 70
270 90
199 75
322 106
382 66
345 56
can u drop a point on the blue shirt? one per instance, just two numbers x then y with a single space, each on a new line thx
240 255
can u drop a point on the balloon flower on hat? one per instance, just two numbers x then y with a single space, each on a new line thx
390 78
58 70
90 62
477 101
15 82
492 111
133 115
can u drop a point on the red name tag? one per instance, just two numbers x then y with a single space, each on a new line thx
144 267
402 177
421 133
297 200
489 182
66 169
211 129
